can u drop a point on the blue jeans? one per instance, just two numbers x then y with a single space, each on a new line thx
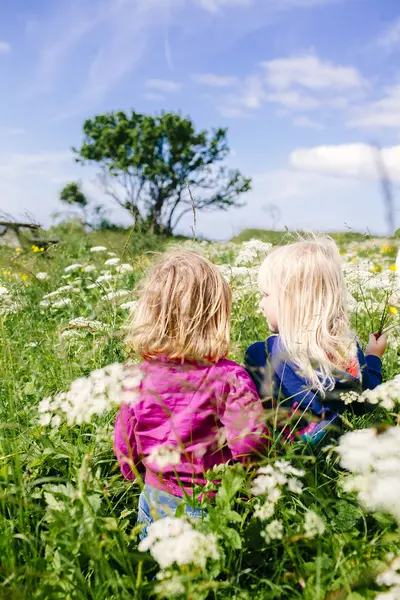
155 504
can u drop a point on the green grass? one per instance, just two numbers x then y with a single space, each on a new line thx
67 517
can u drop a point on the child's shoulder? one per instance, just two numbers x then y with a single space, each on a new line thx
258 352
230 366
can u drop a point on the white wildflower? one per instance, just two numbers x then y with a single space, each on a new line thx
273 531
390 577
42 276
350 397
295 486
387 395
61 303
253 251
112 262
73 267
124 268
82 323
98 249
131 306
61 290
174 541
111 254
31 345
164 456
106 277
393 594
313 525
72 334
170 584
116 295
45 419
92 395
89 269
264 511
4 291
374 461
285 467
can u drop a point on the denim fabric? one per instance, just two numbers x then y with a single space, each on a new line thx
155 504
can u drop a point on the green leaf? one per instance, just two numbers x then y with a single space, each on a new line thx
232 537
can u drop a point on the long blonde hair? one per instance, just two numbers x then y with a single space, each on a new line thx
307 286
184 310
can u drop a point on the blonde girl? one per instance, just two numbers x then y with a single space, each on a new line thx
195 409
312 356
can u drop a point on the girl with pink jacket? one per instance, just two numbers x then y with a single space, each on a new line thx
194 408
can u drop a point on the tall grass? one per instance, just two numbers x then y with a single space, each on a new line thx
68 519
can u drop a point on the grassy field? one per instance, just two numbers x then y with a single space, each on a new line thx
68 519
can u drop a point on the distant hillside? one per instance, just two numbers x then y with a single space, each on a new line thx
277 237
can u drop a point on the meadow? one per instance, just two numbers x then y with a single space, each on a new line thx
316 524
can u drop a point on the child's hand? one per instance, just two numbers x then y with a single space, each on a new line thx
376 345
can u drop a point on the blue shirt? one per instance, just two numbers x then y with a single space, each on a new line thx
278 381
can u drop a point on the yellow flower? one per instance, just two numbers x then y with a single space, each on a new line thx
393 268
393 310
375 269
35 248
18 250
386 249
41 249
23 276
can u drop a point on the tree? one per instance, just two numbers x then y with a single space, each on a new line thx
160 168
72 194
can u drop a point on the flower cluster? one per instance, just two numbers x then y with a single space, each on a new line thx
374 460
82 323
390 578
270 482
164 456
172 541
252 252
313 525
8 305
90 396
387 395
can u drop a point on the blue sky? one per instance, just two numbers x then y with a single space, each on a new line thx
304 86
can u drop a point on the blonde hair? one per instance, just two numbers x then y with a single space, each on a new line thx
307 285
184 310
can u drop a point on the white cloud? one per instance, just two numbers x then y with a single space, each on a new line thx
306 122
350 160
382 113
5 47
310 72
214 6
163 85
391 37
118 34
294 100
249 97
299 84
218 81
152 97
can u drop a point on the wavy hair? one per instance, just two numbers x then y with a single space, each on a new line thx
183 311
307 286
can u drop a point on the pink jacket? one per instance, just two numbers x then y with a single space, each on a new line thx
209 413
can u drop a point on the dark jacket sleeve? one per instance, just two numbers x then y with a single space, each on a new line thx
255 363
374 367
